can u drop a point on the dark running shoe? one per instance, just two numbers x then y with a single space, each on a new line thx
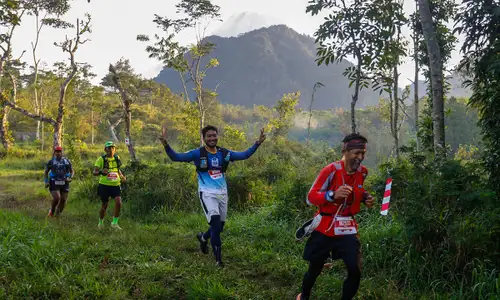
203 244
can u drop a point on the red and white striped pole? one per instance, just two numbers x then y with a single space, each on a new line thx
387 197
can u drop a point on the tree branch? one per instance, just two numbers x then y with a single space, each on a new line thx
14 106
118 84
116 123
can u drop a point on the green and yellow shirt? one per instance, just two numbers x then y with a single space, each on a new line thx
113 176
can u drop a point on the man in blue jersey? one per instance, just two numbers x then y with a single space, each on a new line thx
57 176
211 163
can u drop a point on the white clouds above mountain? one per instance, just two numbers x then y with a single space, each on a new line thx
244 22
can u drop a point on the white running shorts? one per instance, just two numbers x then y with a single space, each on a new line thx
213 205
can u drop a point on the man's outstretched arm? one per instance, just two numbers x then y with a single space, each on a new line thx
246 154
174 156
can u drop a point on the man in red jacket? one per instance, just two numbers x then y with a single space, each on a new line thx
338 193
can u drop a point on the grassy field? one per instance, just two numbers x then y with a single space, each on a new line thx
157 257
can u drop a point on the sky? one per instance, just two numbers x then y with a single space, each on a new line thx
116 23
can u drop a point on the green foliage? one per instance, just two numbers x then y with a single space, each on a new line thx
156 187
186 124
443 12
71 151
390 18
447 210
234 137
161 214
479 22
285 108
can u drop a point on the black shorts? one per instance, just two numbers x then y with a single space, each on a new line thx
106 191
61 188
319 247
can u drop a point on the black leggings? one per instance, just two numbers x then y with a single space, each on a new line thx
346 248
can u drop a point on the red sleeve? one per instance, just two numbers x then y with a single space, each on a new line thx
364 171
317 193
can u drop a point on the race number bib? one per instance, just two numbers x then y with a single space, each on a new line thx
344 226
59 182
215 174
113 176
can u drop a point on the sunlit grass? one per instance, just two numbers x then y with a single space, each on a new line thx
157 255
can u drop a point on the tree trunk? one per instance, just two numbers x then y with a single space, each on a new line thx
4 127
92 126
415 90
310 113
57 135
126 102
183 81
37 105
202 122
309 122
356 95
112 131
62 96
396 110
128 124
42 135
4 108
436 70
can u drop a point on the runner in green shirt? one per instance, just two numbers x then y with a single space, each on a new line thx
107 167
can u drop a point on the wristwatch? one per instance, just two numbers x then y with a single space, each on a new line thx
331 195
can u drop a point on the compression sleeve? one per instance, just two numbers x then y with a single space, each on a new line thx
48 165
245 154
184 157
318 193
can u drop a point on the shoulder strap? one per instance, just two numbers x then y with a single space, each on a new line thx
334 167
203 164
50 164
118 161
225 159
105 163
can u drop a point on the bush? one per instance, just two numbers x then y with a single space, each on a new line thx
449 218
152 187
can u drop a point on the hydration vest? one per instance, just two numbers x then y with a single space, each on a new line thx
105 162
203 166
326 212
57 171
336 179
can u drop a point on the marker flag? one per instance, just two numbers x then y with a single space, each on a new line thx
387 197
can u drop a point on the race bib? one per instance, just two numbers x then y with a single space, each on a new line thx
113 176
59 182
215 174
344 226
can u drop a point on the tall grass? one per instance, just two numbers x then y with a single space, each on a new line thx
157 255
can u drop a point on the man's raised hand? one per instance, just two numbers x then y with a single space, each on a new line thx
262 137
163 137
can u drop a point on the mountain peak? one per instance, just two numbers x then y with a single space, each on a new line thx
244 22
258 67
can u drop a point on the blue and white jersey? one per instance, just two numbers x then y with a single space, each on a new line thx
58 168
214 180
